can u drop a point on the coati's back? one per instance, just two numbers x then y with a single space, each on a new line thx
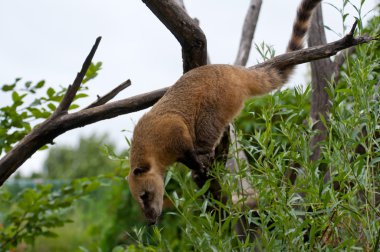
192 115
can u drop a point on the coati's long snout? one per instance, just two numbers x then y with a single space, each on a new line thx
148 190
189 120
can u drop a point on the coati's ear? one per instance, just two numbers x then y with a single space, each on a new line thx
139 170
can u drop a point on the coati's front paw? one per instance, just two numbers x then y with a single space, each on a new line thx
206 160
203 169
199 177
195 162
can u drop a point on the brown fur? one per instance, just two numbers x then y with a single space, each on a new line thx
188 121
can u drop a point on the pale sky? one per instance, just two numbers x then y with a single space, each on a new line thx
44 39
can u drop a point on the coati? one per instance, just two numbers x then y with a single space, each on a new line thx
188 121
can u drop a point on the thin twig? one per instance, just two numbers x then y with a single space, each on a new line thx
324 233
109 96
353 28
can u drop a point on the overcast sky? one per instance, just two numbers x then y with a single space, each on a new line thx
44 39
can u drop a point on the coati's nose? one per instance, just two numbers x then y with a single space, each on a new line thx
151 216
152 222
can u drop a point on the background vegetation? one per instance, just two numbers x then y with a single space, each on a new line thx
83 204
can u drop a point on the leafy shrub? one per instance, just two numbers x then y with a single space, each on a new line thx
35 211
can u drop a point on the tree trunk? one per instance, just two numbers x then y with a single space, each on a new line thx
321 72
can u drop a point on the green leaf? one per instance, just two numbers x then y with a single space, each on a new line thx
45 147
375 160
92 71
5 195
40 84
37 113
203 190
74 106
118 249
51 106
28 84
7 88
15 97
29 196
81 95
84 249
50 92
345 16
91 187
344 90
36 102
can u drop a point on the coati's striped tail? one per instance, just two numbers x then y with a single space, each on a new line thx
301 24
300 28
272 78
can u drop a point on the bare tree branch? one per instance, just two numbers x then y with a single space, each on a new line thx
249 28
109 96
55 126
196 22
314 53
184 28
72 90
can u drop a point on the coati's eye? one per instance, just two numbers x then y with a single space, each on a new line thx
139 170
